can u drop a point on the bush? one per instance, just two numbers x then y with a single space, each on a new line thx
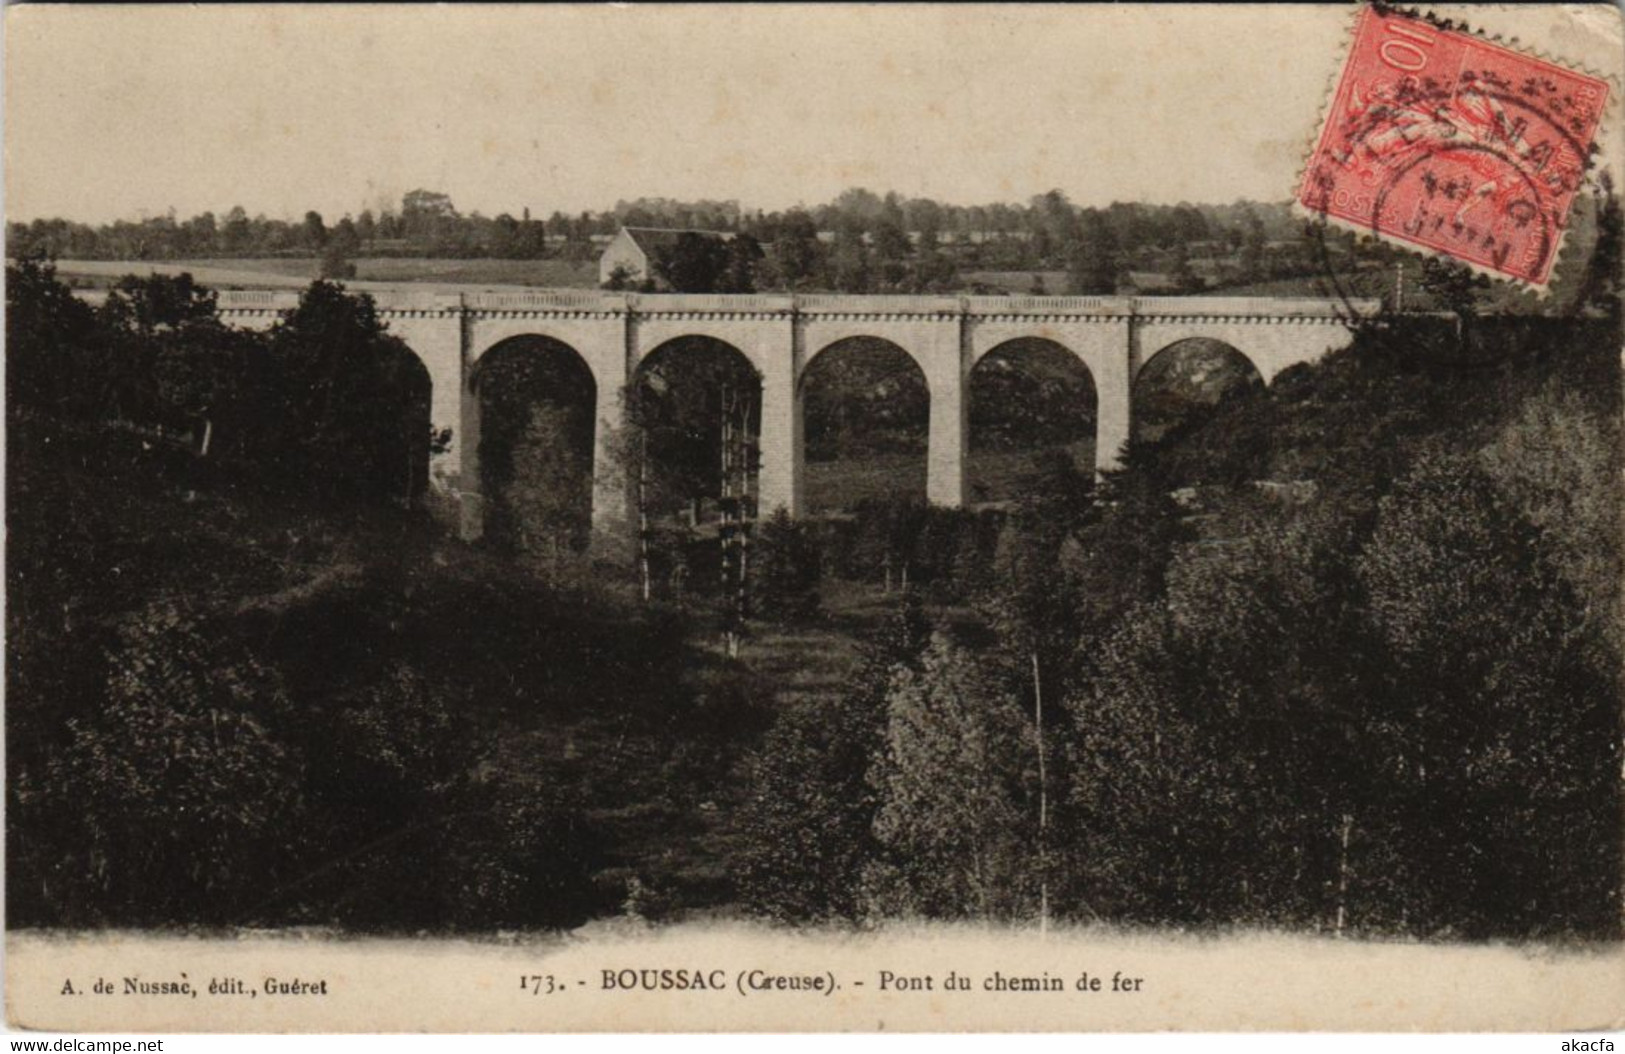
176 797
786 566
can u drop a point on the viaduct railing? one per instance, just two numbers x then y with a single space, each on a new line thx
257 301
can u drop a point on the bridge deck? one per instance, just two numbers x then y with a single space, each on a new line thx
822 304
596 302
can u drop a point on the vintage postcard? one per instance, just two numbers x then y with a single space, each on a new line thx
571 518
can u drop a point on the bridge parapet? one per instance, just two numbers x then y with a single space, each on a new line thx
710 303
261 302
255 300
548 300
1275 308
862 304
1048 305
1284 309
405 302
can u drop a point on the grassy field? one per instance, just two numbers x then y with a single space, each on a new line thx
848 482
990 476
1016 283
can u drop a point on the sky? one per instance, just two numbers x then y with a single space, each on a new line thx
119 112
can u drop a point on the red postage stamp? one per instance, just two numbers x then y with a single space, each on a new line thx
1438 139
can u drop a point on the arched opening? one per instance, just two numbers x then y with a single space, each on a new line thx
866 410
1183 384
537 402
698 406
417 426
694 416
1032 411
393 430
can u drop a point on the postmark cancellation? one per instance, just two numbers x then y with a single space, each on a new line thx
1443 141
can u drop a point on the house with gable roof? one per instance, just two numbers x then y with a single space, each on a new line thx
634 249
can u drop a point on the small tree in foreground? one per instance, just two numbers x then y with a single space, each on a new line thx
787 569
954 790
806 831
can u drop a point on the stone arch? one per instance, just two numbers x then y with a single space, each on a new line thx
865 405
1243 340
409 376
829 335
1028 398
1194 374
754 341
583 336
403 457
537 407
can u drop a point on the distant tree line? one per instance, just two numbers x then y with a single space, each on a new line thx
426 224
860 242
865 243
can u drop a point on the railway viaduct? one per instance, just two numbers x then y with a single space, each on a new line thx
1114 337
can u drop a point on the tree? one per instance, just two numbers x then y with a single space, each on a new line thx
53 354
953 790
1453 285
427 217
1601 287
201 234
620 277
237 235
140 318
1092 261
550 491
744 256
315 230
1188 224
421 203
1150 812
849 263
693 263
786 565
891 249
1252 247
342 244
1553 463
1182 275
1055 225
530 241
179 787
934 270
857 207
347 236
355 399
186 363
796 250
685 398
1495 782
159 302
806 830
